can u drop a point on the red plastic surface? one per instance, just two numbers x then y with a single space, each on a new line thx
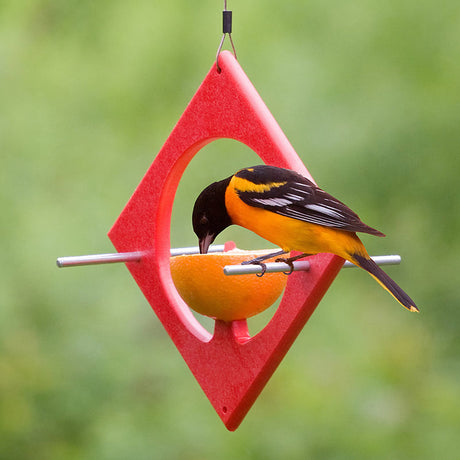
231 367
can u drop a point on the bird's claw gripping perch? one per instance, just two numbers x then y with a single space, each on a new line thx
287 262
257 261
264 269
290 261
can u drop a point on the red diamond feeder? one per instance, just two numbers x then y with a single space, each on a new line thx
231 367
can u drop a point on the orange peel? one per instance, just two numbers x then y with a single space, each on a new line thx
202 284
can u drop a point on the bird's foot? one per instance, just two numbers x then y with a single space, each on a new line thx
257 261
286 261
264 269
290 261
260 260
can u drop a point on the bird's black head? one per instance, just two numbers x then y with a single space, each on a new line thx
210 215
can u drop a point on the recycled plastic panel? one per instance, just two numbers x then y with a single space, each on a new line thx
231 367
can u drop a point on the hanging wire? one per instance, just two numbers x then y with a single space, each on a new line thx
226 30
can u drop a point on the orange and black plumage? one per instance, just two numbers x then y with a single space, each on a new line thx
290 211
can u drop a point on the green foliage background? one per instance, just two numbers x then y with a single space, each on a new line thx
368 94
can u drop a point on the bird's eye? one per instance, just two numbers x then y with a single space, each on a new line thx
204 221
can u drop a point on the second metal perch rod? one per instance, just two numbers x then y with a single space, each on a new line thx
271 267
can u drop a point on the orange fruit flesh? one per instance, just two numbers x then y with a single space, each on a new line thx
200 281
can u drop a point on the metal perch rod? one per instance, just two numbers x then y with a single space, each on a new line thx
276 267
271 267
98 259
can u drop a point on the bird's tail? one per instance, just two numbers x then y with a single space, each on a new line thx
384 280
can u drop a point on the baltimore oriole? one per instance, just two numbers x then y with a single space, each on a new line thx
289 210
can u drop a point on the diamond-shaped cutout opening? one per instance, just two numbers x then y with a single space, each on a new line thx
232 372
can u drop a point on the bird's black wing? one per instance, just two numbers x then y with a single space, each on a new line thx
290 194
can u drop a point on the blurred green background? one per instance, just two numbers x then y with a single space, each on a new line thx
368 94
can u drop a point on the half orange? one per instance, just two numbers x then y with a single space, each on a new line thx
200 281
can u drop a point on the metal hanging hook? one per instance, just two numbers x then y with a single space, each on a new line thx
226 30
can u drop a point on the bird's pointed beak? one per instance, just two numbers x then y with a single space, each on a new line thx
205 242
